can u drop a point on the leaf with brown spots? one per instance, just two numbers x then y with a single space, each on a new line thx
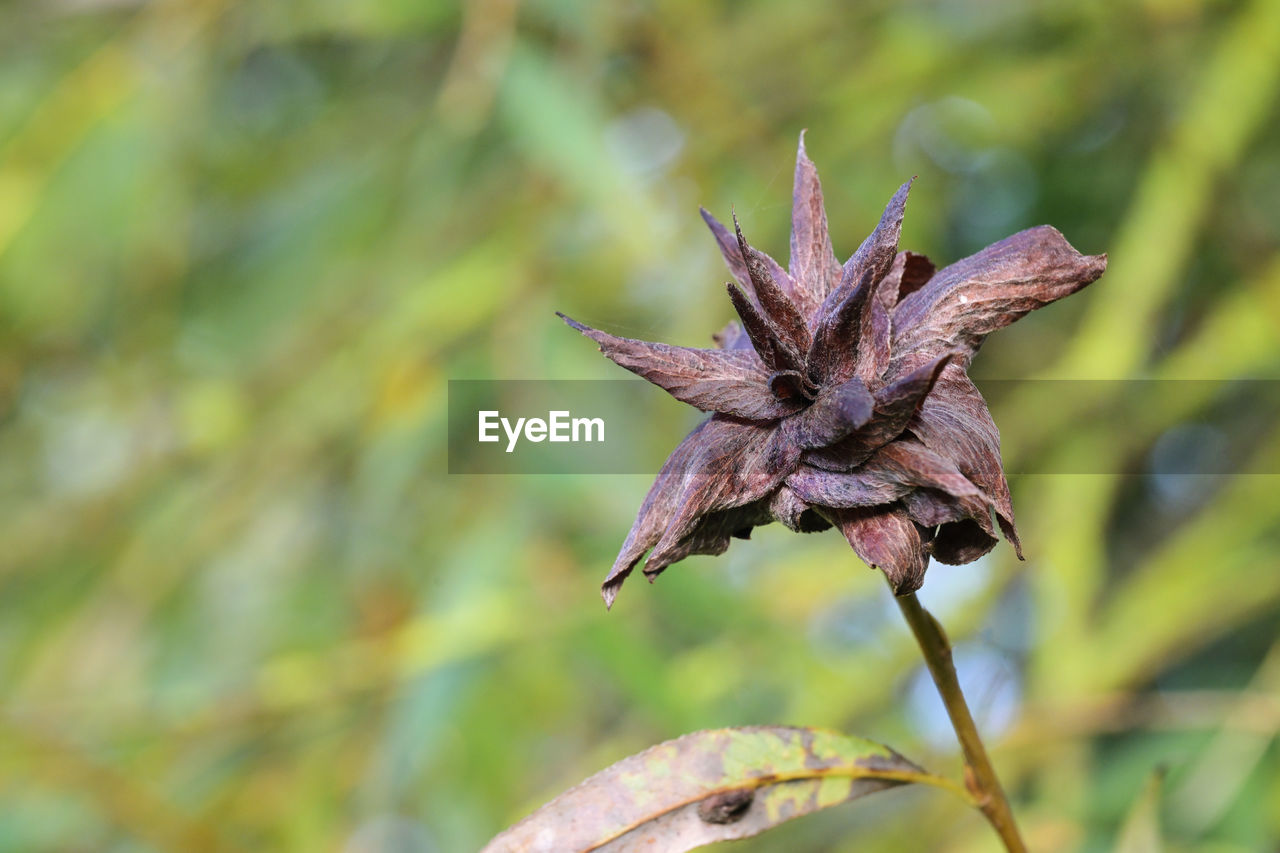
711 786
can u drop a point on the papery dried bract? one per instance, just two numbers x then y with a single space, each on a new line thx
842 398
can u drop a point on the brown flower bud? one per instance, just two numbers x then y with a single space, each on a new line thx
842 399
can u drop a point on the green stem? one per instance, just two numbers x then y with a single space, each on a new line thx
980 776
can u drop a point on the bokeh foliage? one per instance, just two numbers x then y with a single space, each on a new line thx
244 245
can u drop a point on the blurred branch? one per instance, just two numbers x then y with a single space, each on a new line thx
1232 100
479 60
1251 712
1218 774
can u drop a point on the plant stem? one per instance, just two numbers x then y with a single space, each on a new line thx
980 776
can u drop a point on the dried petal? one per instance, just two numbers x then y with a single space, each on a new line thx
733 382
967 300
791 385
909 273
886 539
842 396
834 415
833 355
894 471
873 344
955 422
737 463
776 353
723 464
659 506
711 535
778 309
958 542
895 405
860 487
814 267
964 529
787 507
930 507
729 249
876 254
733 258
732 336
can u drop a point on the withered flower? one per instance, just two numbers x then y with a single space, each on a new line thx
842 397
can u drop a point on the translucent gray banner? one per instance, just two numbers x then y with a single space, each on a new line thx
1134 427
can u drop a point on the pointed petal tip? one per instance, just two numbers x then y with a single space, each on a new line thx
800 153
609 592
572 323
743 246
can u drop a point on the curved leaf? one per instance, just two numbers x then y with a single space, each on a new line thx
711 786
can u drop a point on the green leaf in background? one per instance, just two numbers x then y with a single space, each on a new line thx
1141 831
243 247
712 786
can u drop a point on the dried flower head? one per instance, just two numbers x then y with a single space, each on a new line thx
842 397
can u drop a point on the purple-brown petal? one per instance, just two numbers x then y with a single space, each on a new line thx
833 355
909 273
958 542
895 406
873 344
964 302
964 530
732 382
895 471
732 336
799 516
738 463
835 414
930 507
886 539
845 489
659 506
733 258
955 423
814 267
711 535
791 385
775 352
777 307
728 249
876 254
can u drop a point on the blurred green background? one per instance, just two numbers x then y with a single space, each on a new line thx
243 246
